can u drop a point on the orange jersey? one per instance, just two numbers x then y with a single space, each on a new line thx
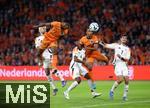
51 37
55 32
89 42
92 54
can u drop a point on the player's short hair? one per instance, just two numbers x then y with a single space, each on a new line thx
65 25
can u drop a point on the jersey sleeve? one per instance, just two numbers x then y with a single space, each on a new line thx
38 41
128 54
75 52
37 44
81 41
96 40
111 46
55 23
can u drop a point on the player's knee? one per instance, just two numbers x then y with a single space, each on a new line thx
90 66
119 81
87 76
55 71
126 82
106 59
126 79
78 80
47 72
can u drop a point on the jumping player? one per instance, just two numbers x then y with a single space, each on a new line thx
48 60
90 42
57 30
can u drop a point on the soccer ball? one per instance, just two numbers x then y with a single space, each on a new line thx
94 27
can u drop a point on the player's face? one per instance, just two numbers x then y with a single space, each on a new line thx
42 29
79 45
65 25
123 39
89 33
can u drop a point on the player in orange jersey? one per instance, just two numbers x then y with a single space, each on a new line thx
90 42
57 29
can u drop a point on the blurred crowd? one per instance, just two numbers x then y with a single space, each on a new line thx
115 17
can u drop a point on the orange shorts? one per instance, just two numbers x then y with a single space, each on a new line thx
96 55
46 43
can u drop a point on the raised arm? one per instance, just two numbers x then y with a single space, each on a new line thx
41 24
109 46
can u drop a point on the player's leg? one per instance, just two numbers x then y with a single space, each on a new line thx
46 64
84 72
115 85
126 87
55 70
90 62
100 57
76 76
126 80
118 73
41 49
71 87
57 74
90 83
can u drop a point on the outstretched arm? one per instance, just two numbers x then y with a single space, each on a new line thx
41 24
109 46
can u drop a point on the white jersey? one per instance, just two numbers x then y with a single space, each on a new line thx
76 69
121 50
46 54
120 65
80 54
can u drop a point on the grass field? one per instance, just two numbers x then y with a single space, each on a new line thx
80 97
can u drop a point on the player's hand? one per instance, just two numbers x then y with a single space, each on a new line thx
40 63
102 43
118 55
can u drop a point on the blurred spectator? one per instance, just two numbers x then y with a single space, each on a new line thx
115 17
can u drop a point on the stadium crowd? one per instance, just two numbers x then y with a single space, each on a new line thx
116 17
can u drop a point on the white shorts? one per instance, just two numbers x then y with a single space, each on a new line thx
121 70
77 71
47 58
46 63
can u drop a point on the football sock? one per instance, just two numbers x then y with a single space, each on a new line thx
72 86
51 82
90 83
126 87
115 85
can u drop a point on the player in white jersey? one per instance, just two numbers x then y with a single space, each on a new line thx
47 57
77 68
121 58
